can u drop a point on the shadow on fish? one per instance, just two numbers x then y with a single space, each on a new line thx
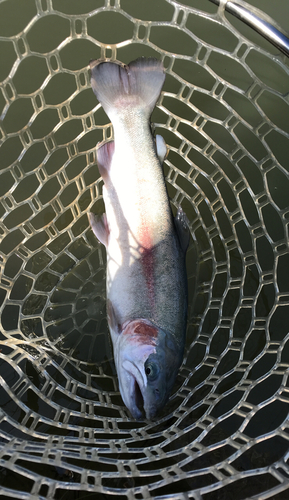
146 275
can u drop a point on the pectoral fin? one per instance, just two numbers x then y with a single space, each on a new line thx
112 318
182 228
99 226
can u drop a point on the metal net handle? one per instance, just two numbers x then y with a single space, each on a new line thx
257 20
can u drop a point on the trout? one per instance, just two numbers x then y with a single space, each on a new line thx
146 275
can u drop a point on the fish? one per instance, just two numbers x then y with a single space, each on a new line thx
146 283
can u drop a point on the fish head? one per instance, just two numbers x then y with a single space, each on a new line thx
147 363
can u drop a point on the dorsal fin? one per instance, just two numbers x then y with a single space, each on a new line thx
161 148
182 228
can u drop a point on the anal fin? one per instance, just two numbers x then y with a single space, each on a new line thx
161 148
104 158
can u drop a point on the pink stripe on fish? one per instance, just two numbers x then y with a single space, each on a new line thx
147 260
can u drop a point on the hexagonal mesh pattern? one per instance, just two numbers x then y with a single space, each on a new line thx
64 430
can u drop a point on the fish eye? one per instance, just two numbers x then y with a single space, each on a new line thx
151 371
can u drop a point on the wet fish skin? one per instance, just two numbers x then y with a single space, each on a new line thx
146 276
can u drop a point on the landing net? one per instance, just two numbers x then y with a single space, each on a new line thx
64 430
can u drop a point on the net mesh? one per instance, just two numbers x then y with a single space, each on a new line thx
64 430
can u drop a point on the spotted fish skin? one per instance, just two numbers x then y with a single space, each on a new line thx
146 247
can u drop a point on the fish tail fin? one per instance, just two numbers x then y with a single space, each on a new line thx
119 87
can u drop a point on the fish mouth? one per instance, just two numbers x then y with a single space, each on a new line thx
132 390
138 399
139 410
